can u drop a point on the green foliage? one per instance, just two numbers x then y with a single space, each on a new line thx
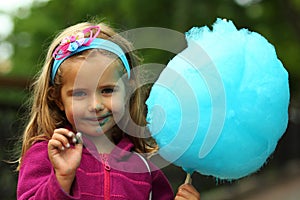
275 20
33 34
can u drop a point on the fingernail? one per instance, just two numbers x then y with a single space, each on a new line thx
79 138
70 134
62 148
74 140
68 145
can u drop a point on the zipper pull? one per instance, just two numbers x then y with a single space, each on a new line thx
105 163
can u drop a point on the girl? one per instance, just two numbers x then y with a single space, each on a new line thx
86 131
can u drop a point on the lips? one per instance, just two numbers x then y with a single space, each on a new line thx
100 120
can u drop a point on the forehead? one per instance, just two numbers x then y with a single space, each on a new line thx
91 68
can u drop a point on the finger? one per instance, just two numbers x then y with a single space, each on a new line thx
78 147
182 193
72 137
64 132
188 191
78 137
187 196
189 188
62 139
179 198
55 144
75 138
69 134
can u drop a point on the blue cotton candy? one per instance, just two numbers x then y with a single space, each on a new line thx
221 105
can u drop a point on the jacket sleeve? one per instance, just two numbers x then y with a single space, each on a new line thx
37 179
161 188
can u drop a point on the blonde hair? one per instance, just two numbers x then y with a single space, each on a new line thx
45 115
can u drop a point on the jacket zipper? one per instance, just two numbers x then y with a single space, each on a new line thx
106 184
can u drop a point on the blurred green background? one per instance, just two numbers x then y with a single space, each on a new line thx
27 29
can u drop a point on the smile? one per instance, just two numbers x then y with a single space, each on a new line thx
102 120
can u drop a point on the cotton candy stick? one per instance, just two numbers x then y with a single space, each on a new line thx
188 179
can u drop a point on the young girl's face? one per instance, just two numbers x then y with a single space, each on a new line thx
92 94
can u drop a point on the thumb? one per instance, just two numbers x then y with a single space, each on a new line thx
79 142
79 147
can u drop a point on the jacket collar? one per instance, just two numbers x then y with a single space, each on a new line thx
122 150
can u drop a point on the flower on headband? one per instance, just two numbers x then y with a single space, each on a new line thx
71 43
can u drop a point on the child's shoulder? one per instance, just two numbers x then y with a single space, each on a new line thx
38 149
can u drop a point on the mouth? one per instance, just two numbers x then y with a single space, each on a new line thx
101 120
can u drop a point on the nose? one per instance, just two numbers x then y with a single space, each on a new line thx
99 107
96 104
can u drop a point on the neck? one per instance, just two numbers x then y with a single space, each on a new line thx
104 143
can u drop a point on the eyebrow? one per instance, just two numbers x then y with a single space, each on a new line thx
114 84
71 91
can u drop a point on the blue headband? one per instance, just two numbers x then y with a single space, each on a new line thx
78 43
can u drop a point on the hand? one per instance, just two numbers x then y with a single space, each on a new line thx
65 158
187 191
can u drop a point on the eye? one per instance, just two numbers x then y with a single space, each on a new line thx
78 93
107 90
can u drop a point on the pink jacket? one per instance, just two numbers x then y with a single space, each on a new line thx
119 175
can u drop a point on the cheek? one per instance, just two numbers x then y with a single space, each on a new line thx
118 106
72 114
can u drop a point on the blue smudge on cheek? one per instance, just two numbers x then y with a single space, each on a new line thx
99 130
104 122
